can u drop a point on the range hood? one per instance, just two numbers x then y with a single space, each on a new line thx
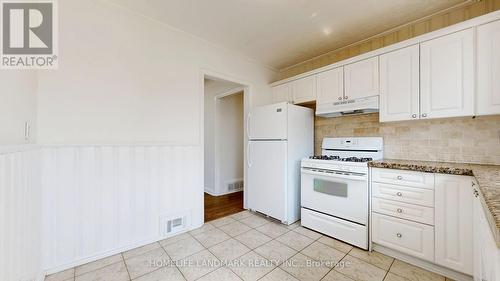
349 107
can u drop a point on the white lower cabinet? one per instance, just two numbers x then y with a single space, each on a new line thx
453 222
404 210
486 253
431 220
408 237
417 196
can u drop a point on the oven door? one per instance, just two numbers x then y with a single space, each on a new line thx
340 195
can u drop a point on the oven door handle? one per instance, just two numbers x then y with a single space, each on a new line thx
350 176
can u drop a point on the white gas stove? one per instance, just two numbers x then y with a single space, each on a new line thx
334 188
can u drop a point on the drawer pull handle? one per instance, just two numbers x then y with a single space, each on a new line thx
399 194
399 235
400 210
476 193
400 177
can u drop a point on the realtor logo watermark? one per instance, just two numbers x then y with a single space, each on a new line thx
29 37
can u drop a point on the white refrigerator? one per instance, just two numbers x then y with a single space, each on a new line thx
280 135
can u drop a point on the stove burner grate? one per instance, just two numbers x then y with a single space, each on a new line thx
337 158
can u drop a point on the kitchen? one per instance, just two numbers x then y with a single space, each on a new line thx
374 155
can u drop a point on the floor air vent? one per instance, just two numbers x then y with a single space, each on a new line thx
173 224
235 185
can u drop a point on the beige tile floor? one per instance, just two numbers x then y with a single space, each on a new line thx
246 246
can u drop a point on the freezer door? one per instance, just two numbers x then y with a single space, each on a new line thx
267 166
268 122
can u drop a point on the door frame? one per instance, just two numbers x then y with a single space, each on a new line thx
217 162
247 101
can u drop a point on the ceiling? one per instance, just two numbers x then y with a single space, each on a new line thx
280 33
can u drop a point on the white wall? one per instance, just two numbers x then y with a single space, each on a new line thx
212 89
124 80
17 105
101 200
20 215
20 200
230 132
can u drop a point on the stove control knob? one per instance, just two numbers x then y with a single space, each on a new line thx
399 235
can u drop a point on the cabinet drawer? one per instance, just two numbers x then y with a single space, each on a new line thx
403 210
419 196
406 178
408 237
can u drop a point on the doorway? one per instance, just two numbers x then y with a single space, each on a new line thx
224 139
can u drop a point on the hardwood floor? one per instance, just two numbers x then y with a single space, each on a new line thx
224 205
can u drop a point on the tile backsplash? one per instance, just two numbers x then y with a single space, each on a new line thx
465 139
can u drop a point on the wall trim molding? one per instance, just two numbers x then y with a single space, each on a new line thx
106 254
102 200
386 32
248 89
15 148
423 264
471 23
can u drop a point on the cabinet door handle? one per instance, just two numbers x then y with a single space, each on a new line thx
400 210
399 235
340 98
400 177
414 115
399 194
424 115
346 97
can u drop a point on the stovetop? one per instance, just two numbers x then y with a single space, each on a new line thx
343 159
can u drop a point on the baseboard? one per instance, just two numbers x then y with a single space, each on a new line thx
220 194
209 191
423 264
229 192
110 253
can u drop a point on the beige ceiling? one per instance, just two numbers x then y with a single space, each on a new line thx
280 33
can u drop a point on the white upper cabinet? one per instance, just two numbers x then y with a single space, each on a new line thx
488 69
399 85
361 79
304 89
282 93
447 76
453 222
330 86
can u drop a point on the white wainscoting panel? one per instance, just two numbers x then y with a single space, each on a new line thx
102 199
20 214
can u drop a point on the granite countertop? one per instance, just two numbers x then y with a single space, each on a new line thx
487 177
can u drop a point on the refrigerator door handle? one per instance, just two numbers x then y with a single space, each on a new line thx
248 125
249 163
